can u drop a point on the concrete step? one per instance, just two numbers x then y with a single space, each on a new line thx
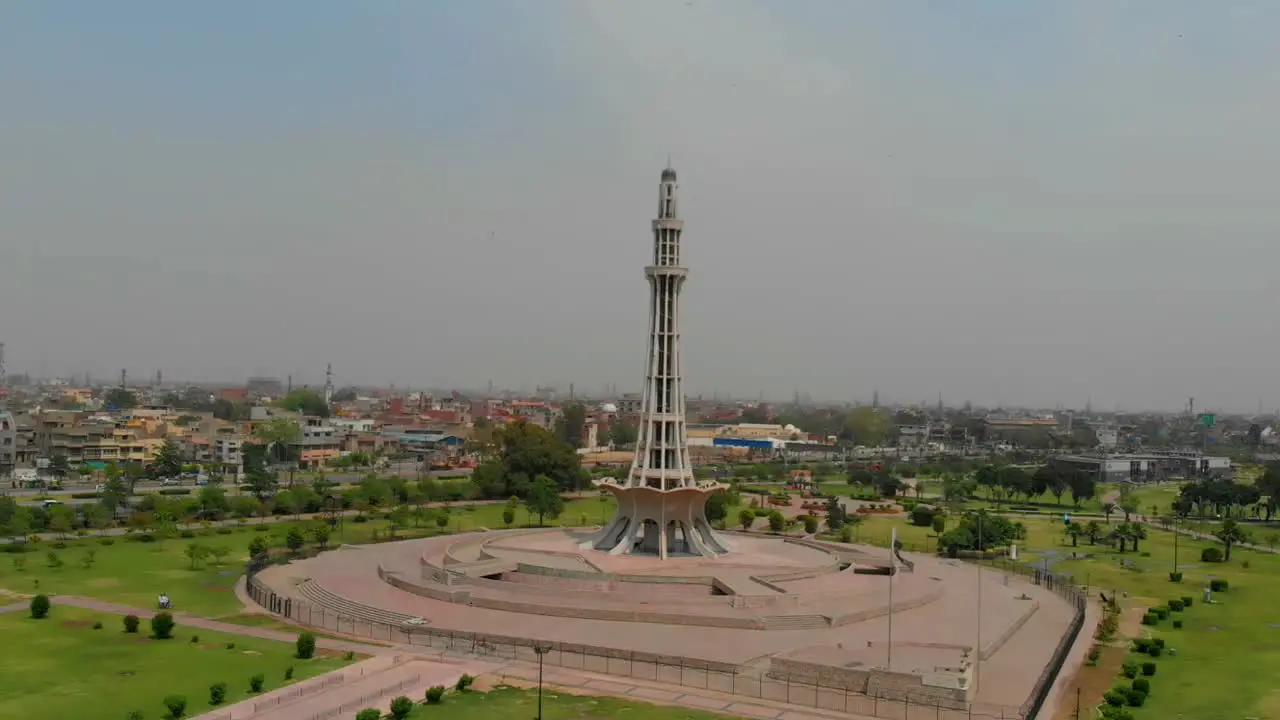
795 622
316 594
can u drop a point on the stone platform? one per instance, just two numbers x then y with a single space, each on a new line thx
775 605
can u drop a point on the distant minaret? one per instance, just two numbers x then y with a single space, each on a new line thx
159 378
124 379
875 398
2 375
288 385
328 384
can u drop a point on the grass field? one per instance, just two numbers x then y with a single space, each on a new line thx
1228 653
60 667
134 573
506 703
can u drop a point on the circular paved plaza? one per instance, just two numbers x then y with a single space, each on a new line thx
788 605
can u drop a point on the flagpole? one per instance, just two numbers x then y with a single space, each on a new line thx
977 656
893 570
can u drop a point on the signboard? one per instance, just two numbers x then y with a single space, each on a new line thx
1208 419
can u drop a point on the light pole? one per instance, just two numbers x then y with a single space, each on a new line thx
541 649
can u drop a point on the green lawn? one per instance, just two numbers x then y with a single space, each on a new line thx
60 667
134 573
1228 653
506 703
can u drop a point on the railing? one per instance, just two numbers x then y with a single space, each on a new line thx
366 699
770 685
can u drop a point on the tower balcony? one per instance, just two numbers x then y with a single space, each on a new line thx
674 271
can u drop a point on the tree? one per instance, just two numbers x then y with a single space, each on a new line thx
1107 509
544 498
280 436
168 461
570 424
39 607
1093 531
1137 531
746 516
196 553
835 513
717 508
294 539
218 553
1083 486
305 401
622 433
257 546
1128 504
320 532
58 466
1229 535
213 502
776 522
59 519
120 399
95 516
526 451
866 426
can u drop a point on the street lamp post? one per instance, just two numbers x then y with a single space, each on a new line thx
541 649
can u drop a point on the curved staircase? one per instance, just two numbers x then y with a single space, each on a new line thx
317 595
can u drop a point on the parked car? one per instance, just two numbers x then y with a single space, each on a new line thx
170 482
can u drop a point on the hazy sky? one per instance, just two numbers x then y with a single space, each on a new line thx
1003 201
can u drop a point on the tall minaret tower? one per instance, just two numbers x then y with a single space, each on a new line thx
328 385
661 506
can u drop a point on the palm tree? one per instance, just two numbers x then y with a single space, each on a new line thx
1094 531
1230 533
1107 509
1120 535
1075 530
1137 531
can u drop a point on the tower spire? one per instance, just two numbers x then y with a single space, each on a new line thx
661 505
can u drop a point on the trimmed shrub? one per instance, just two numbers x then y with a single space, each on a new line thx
256 682
1175 606
1158 642
134 715
1094 653
106 541
195 639
1135 697
305 646
131 623
1141 644
1130 669
97 624
231 646
1148 668
464 683
217 693
1155 650
1218 585
369 714
435 694
40 607
1150 619
1142 685
1177 624
1211 554
401 707
1161 611
288 673
1114 698
162 625
1186 600
1109 712
175 705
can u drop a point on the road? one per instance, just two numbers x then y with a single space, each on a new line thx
30 497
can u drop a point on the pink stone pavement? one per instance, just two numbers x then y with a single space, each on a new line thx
1004 678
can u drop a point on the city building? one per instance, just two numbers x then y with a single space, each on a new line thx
1146 467
8 443
661 505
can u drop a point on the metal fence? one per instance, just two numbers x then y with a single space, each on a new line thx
366 699
716 677
288 696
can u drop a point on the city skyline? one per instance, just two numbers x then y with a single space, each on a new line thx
437 196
